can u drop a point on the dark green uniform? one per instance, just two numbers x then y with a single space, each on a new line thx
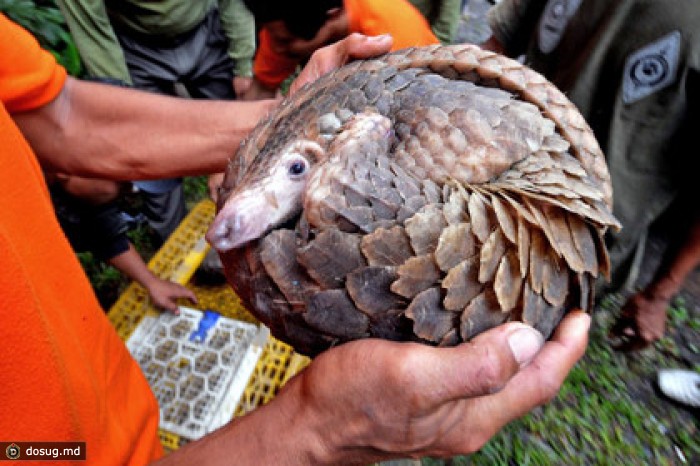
155 45
633 69
91 24
442 15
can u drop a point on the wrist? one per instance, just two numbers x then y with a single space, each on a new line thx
664 288
328 432
149 280
307 435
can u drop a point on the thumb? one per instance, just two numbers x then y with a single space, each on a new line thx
360 46
485 364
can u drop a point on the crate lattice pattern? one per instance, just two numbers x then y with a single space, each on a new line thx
194 379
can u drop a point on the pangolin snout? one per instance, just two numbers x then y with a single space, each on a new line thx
230 231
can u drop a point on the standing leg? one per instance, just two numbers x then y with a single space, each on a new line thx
156 68
643 317
211 76
164 210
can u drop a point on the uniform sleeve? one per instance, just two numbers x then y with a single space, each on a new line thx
443 17
269 67
239 25
29 75
446 19
95 38
399 18
513 23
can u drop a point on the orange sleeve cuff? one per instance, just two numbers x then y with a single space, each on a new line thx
269 67
29 75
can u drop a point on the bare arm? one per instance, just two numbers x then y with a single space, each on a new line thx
102 131
643 317
678 264
164 293
372 400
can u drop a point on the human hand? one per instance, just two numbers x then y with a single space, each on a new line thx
371 400
213 183
165 294
241 85
258 91
493 45
91 190
354 46
642 321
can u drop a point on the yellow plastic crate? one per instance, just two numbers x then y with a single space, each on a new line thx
177 260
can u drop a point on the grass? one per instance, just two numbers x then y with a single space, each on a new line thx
607 412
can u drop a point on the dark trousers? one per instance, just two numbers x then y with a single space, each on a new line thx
198 61
99 229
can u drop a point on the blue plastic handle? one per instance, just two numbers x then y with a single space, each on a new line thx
207 321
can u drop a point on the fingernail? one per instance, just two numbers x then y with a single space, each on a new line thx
380 38
525 343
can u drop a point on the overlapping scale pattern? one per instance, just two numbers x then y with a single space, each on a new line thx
458 190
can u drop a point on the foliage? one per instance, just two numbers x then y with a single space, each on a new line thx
107 281
45 21
195 189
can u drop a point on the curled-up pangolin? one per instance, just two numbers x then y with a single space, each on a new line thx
426 195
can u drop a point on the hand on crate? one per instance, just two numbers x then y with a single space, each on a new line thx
165 294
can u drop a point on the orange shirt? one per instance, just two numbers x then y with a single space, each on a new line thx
65 375
403 21
370 17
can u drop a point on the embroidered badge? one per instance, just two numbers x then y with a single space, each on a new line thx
553 23
651 68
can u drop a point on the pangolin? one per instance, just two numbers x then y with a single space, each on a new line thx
426 195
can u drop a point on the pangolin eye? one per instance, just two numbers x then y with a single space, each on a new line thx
297 167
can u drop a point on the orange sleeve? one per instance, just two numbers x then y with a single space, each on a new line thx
403 21
29 75
66 374
269 67
399 18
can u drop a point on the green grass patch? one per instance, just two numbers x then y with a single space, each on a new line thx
596 419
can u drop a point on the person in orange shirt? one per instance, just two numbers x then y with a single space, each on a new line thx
65 375
290 34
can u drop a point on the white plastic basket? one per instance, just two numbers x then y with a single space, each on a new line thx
198 365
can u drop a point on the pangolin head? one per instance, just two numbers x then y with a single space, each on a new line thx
272 191
264 200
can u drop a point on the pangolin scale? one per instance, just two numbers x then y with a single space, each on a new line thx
426 195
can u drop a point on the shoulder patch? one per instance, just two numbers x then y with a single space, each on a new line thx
553 22
651 68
